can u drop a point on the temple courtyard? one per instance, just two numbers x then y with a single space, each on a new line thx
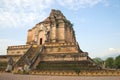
10 76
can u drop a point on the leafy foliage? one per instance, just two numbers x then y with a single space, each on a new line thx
3 65
98 60
109 62
117 62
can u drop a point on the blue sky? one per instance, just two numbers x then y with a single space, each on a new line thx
96 22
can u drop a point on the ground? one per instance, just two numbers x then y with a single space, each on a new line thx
10 76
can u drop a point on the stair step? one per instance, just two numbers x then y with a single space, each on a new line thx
30 54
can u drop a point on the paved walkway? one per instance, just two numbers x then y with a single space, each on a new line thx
9 76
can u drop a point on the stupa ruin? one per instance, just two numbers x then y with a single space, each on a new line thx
51 45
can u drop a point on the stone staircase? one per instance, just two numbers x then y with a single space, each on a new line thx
35 61
29 57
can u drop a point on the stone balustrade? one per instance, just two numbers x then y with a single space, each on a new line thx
60 44
81 73
19 47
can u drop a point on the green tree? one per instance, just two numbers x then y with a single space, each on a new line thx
117 62
109 62
98 60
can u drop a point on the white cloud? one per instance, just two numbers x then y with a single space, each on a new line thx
18 13
77 4
110 52
112 49
22 13
4 43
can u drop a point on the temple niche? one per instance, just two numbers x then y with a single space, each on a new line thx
51 45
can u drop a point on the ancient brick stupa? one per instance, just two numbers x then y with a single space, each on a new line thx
51 45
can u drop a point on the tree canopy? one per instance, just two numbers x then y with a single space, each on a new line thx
117 62
109 62
98 60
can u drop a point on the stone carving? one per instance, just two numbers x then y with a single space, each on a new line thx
47 33
27 61
10 65
27 64
41 28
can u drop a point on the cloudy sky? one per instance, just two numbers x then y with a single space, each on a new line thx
96 22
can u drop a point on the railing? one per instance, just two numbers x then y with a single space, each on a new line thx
36 56
24 55
18 47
